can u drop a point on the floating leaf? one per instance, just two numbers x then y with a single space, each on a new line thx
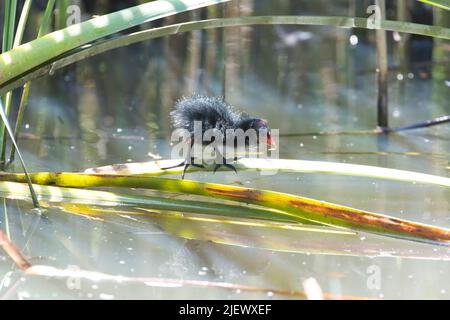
291 206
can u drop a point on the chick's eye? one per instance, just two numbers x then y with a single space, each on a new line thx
260 124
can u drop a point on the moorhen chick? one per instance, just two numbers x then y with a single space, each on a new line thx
214 113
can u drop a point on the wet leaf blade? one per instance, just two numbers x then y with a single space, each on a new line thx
283 165
291 206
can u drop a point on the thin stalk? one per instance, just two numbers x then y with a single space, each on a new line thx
423 124
443 4
27 177
5 210
291 206
402 48
382 71
26 87
61 20
7 43
8 24
18 125
45 23
22 22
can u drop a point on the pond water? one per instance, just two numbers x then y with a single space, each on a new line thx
307 81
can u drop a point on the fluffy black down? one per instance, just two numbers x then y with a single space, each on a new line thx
213 112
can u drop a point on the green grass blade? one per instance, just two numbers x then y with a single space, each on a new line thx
46 19
61 20
22 22
7 43
8 24
291 206
10 9
45 23
154 168
17 40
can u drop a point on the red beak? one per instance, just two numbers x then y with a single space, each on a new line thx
270 142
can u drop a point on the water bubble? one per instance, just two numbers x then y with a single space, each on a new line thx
396 113
130 147
353 40
27 126
410 75
106 296
119 130
399 77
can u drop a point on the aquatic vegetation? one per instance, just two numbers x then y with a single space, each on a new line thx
290 206
134 198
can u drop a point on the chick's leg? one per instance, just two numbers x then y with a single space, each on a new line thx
221 160
189 161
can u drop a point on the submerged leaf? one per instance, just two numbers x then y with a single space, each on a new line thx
290 206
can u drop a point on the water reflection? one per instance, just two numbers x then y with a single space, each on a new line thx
113 108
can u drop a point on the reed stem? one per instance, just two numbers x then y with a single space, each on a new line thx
382 71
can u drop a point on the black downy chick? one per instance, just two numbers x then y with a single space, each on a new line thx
214 113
